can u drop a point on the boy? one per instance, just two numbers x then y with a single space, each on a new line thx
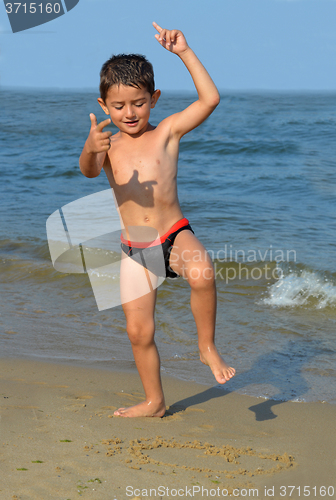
140 162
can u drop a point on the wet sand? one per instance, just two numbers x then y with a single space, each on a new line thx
60 440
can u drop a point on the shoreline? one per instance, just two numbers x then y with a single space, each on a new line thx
60 438
127 366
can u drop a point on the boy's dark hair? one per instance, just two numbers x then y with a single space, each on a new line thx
126 69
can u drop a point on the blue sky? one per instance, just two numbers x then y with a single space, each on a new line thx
244 44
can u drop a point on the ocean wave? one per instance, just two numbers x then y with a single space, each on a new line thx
302 288
228 147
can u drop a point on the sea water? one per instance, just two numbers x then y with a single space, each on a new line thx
257 181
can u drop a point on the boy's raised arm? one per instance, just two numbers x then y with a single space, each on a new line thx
208 96
92 158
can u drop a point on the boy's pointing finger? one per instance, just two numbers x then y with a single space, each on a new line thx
103 124
157 27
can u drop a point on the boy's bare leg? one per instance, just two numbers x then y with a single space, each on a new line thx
190 260
140 326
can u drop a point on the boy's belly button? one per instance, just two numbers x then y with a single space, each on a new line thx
146 219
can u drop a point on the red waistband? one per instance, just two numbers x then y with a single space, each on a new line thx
175 227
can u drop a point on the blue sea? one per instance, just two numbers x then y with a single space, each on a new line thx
257 181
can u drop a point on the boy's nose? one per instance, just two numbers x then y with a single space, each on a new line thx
130 112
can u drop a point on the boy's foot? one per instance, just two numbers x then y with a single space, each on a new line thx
221 371
143 409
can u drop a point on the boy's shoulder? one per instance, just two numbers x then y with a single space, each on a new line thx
165 127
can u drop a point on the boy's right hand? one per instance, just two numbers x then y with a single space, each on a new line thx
98 141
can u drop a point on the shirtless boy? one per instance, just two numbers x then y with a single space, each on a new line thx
140 162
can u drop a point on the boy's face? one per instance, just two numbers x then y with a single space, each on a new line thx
129 107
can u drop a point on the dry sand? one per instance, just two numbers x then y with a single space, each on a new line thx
59 440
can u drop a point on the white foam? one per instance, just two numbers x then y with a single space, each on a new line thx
300 289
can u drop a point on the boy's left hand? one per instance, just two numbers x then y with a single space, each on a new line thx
172 40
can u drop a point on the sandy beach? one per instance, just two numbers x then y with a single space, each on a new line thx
60 440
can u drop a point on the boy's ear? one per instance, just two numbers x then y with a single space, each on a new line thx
103 105
155 97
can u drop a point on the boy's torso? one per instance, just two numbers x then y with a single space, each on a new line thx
142 172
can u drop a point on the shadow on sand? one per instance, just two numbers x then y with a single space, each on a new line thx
282 369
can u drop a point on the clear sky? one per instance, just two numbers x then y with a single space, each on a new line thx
244 44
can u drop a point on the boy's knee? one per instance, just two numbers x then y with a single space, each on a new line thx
140 333
201 276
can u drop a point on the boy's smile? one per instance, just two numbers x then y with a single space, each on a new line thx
129 107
